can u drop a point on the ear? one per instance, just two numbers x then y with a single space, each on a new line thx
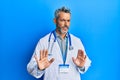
55 21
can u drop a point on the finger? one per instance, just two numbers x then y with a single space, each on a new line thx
51 60
81 53
73 59
41 54
46 53
85 57
81 58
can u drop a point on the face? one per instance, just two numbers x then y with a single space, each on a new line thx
63 22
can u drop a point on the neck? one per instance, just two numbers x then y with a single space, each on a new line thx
61 34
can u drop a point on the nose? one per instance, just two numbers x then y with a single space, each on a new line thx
66 23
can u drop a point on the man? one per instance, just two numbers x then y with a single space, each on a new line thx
59 55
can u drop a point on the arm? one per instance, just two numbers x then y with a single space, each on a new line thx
87 64
32 66
82 61
39 62
33 69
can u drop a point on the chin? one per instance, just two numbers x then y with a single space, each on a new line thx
63 32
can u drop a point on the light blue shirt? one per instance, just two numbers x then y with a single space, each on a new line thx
63 44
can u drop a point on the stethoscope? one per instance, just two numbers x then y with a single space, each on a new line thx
55 39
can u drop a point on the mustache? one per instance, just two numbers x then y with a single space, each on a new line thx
63 27
60 29
66 27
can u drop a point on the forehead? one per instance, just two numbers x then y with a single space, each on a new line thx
64 15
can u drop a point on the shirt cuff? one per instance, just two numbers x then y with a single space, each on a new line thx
82 68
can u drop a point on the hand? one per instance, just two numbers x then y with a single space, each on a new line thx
43 62
80 59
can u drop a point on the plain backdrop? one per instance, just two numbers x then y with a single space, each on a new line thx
95 22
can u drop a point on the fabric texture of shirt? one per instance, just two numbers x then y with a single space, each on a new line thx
63 44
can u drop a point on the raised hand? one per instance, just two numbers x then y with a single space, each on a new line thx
80 59
43 62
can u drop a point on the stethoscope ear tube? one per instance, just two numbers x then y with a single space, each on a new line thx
70 42
50 36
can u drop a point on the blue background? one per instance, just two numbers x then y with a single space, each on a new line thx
24 22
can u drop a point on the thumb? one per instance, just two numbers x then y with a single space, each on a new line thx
73 59
51 60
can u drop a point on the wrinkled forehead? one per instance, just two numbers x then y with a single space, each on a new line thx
64 14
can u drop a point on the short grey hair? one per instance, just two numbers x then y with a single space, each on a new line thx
62 9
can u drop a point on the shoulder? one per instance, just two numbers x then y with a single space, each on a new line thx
46 37
76 41
43 40
42 43
75 38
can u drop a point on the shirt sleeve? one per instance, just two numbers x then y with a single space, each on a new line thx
87 63
32 66
86 66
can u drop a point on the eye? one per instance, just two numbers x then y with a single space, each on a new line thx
68 20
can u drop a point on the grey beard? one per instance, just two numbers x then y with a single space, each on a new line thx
61 31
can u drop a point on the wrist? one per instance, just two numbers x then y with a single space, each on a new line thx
82 68
40 69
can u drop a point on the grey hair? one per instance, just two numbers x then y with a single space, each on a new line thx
62 9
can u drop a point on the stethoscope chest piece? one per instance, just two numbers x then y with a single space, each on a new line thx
71 48
50 54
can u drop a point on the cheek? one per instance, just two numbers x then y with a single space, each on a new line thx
61 24
68 23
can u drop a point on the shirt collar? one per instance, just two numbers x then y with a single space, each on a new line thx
58 36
